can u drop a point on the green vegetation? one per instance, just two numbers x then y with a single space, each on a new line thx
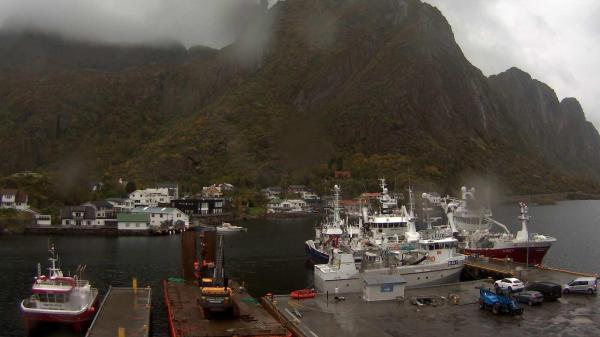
13 221
338 85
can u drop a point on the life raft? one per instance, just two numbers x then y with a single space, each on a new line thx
302 294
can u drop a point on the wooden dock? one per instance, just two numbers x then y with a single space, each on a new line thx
124 312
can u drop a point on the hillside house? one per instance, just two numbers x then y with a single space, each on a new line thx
12 198
151 197
121 205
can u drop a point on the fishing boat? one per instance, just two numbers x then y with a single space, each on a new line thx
329 233
59 298
473 224
420 263
227 227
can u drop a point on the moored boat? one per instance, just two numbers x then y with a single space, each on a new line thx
227 227
60 299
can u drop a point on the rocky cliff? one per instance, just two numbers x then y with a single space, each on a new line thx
377 87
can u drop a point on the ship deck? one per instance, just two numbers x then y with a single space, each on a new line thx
187 319
124 309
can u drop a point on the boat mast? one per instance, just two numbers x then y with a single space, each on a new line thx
336 204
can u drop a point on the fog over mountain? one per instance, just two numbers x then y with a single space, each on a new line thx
213 23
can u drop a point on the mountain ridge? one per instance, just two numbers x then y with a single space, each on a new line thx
374 87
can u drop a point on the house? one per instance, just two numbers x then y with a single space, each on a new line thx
342 174
121 205
297 189
216 190
151 197
272 192
43 219
78 216
161 216
309 196
13 198
172 189
286 206
133 221
202 206
105 212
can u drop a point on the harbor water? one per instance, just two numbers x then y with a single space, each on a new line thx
269 257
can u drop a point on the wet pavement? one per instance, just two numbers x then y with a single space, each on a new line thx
572 315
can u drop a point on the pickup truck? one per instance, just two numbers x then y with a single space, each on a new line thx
498 302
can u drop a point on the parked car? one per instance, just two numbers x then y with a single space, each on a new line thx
510 284
498 303
551 291
582 285
530 297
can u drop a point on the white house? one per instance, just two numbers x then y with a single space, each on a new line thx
151 197
309 195
286 206
164 216
121 205
78 216
11 198
133 222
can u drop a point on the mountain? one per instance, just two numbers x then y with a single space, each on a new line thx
377 87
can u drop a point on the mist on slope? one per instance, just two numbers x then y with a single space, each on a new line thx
213 23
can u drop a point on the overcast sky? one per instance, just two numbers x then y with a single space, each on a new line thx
555 41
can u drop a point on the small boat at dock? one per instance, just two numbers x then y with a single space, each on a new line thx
60 299
227 227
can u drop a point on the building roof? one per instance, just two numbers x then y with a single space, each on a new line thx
118 200
375 279
88 212
154 210
167 185
8 191
133 217
101 204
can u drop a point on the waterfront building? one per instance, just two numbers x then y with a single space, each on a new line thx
172 189
105 212
286 206
272 192
202 206
78 216
13 198
133 221
164 216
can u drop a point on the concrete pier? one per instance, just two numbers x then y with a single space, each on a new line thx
124 312
571 315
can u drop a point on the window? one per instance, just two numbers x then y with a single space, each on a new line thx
137 225
178 215
161 215
67 222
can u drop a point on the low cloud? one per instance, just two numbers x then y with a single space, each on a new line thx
213 23
556 42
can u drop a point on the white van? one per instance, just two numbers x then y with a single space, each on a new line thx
582 285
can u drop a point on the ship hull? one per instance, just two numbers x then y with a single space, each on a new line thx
315 255
517 254
32 316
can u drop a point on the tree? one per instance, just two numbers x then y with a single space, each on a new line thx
130 187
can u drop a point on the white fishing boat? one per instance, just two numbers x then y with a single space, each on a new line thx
420 263
227 227
59 298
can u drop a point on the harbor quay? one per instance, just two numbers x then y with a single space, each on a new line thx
451 309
